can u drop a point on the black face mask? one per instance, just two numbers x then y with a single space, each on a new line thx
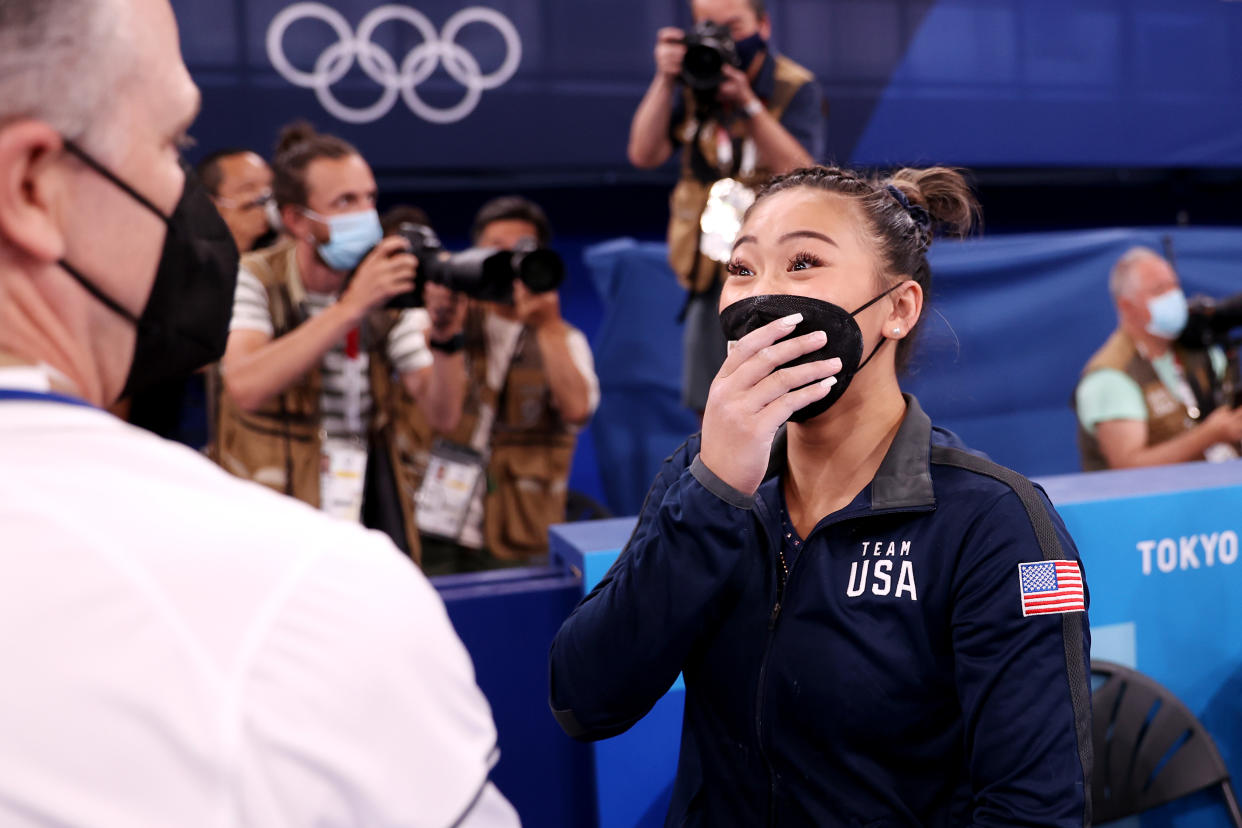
845 339
185 322
748 49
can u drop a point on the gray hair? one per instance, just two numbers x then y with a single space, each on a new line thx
1119 279
59 61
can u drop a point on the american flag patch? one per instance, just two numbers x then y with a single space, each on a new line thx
1050 587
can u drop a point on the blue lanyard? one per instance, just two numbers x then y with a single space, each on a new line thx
41 396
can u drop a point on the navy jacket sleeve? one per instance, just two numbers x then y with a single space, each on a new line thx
623 646
1023 682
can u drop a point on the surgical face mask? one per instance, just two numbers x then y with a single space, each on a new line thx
1168 314
845 339
185 322
350 237
748 48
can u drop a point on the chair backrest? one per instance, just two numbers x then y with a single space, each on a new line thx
579 506
1149 748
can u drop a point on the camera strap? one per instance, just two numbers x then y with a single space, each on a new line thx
735 157
750 154
724 149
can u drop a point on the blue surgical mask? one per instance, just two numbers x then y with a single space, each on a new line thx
1168 314
350 237
748 48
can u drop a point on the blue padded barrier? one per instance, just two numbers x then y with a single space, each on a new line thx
507 620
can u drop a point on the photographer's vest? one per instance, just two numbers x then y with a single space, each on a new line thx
1167 416
530 446
280 445
701 166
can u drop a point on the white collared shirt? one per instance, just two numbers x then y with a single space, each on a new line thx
185 648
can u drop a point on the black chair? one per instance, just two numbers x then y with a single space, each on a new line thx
579 506
1149 748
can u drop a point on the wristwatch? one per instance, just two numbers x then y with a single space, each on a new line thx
447 346
753 107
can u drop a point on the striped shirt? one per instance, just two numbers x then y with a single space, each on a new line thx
346 403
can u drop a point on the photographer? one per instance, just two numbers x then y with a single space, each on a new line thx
764 117
240 185
318 380
1143 399
532 386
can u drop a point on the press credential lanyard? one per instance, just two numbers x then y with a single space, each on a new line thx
20 395
343 470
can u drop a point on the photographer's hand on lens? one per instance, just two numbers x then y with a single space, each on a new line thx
536 309
447 309
670 51
735 89
750 400
387 271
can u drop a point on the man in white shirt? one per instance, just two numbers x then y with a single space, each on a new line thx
181 648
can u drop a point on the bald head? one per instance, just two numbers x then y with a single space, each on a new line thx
1140 276
1141 270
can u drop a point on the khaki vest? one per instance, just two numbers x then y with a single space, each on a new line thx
280 445
1167 416
531 448
696 272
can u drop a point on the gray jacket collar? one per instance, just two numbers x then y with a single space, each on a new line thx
903 480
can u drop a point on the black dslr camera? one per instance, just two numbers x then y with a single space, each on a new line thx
1210 321
482 273
709 47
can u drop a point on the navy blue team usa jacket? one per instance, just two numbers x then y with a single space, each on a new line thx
916 667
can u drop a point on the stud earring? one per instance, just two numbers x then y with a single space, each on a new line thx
896 331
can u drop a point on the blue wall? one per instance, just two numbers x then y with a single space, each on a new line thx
973 82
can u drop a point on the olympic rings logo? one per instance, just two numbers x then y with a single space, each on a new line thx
436 47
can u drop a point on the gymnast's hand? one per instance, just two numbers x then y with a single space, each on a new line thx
750 399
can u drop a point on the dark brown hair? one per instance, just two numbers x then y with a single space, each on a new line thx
760 7
933 201
403 214
298 145
209 169
513 208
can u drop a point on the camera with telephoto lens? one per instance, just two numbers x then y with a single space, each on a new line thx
482 273
1213 323
709 47
1209 321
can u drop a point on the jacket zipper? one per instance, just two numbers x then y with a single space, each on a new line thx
774 616
782 584
783 579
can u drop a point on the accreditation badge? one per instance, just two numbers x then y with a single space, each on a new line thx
342 477
454 476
